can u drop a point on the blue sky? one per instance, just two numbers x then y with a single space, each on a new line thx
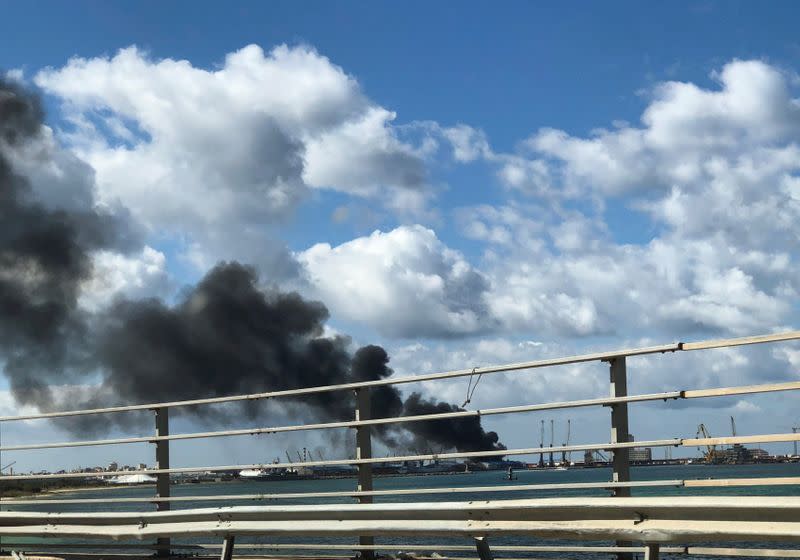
509 70
467 183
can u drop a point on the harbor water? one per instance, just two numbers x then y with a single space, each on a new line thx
496 479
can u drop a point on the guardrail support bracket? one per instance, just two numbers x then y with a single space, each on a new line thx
484 552
651 552
227 548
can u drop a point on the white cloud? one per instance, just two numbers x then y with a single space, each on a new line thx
722 253
404 282
213 157
132 276
714 174
362 156
16 75
713 170
468 143
687 132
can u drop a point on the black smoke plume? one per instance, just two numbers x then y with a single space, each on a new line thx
224 336
44 258
227 336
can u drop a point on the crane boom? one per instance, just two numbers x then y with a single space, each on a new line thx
564 456
711 450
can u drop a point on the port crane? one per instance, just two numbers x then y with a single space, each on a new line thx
11 464
550 462
710 455
733 427
541 446
565 459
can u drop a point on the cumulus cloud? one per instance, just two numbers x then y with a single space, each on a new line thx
404 282
214 157
467 142
133 276
713 176
711 172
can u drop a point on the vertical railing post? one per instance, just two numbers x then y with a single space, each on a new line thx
162 462
651 552
620 433
364 451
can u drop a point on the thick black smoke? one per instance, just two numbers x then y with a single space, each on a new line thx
44 258
227 336
465 434
224 336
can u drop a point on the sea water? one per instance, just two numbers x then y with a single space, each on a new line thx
495 479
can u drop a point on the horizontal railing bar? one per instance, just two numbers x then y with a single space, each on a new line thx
354 493
752 481
111 546
741 341
331 546
326 546
755 552
692 550
118 556
661 530
606 401
353 423
688 483
764 438
711 551
131 556
591 357
596 356
688 442
370 461
742 390
737 509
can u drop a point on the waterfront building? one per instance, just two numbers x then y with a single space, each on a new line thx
640 455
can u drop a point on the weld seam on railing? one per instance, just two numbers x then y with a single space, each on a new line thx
591 357
674 442
687 394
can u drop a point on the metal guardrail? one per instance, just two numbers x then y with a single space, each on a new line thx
648 520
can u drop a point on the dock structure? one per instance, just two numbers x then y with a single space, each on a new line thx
629 525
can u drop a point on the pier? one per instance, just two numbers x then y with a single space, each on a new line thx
627 524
